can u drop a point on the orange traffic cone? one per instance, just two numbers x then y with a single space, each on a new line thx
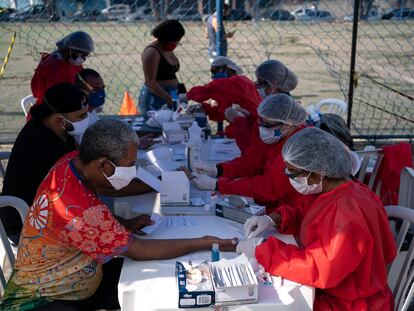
128 107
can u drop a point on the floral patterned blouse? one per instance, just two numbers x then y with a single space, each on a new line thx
67 234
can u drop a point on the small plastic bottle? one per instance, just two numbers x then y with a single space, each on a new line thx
175 99
215 252
194 144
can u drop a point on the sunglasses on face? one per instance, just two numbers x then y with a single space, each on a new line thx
292 175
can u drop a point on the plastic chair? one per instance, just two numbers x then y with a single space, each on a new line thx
22 208
5 155
27 102
403 288
370 163
332 105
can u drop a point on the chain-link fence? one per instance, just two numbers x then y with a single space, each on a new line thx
312 38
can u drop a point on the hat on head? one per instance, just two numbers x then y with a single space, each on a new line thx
60 98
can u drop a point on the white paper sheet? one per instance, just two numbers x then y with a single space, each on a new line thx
162 159
223 152
157 220
149 179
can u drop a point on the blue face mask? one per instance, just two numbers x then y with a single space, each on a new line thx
97 98
219 75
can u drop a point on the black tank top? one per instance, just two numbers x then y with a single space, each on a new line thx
165 70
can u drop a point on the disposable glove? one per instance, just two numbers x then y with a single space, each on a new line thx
231 114
256 225
205 169
248 247
204 182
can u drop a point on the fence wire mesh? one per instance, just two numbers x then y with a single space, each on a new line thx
315 42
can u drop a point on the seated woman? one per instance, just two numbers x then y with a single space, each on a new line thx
61 65
273 77
65 259
228 87
259 173
160 66
345 242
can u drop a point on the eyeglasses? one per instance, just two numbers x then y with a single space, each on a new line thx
82 53
215 70
260 84
269 125
292 175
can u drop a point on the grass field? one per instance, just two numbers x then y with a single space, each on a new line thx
319 53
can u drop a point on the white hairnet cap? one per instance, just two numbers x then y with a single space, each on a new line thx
317 151
277 75
220 61
78 40
282 108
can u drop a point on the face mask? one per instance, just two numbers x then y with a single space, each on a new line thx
269 135
262 92
97 98
168 47
301 185
78 61
79 127
122 176
219 75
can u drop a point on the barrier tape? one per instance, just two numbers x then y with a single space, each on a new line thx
6 59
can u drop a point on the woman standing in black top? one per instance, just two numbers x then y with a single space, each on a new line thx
160 65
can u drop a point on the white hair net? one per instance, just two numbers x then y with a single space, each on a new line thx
220 61
78 40
277 75
282 108
317 151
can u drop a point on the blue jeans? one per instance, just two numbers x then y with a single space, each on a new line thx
149 101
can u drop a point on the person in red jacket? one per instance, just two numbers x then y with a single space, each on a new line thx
345 241
273 77
61 65
228 87
259 173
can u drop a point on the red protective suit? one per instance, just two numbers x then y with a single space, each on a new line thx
226 91
51 70
345 245
260 174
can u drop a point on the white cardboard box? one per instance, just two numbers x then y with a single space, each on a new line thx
175 188
172 132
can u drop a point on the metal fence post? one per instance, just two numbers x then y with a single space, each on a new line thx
219 43
352 74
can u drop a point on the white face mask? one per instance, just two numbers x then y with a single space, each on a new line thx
269 135
301 185
122 176
262 92
79 127
78 61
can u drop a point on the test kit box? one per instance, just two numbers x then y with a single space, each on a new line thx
175 188
239 213
172 132
195 286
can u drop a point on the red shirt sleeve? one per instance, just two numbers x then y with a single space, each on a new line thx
97 234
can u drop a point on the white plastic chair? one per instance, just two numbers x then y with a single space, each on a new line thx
22 208
5 155
27 102
370 163
403 288
332 105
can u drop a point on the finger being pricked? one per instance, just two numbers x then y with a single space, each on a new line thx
186 171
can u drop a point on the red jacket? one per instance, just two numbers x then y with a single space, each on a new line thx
226 91
50 71
345 246
243 130
260 174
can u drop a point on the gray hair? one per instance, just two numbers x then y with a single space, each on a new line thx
107 138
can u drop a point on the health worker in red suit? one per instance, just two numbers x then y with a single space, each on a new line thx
62 65
259 173
228 87
344 239
273 77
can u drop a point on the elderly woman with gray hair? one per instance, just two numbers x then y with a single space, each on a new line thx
345 242
65 259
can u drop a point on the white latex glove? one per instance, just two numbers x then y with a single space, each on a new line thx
205 169
204 182
256 225
248 247
182 98
240 109
194 107
231 114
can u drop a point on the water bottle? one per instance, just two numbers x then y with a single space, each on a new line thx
175 99
194 144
